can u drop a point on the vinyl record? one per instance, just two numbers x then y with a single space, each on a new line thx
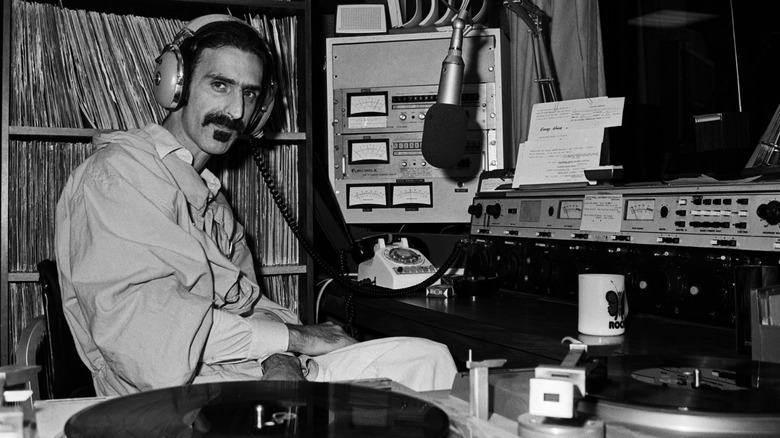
691 384
268 408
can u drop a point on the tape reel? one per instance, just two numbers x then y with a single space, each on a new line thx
169 79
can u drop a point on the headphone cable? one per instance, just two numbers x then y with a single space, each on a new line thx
363 288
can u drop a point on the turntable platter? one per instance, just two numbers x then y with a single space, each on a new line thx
725 385
691 396
268 408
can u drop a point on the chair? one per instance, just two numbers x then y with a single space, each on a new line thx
64 374
19 382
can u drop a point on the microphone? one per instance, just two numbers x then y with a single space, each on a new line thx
444 130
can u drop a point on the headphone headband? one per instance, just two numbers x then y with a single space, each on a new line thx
170 73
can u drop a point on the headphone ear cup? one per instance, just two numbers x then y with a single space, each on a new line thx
168 83
265 110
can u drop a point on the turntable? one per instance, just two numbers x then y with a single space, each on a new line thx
614 396
596 390
652 396
261 408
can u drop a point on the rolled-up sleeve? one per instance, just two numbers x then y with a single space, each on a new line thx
236 339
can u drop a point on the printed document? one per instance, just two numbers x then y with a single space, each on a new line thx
564 139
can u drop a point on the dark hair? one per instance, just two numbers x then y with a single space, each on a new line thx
225 34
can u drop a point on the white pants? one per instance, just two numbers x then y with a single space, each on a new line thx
416 363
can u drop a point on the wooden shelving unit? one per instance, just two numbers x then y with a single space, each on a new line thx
184 10
36 133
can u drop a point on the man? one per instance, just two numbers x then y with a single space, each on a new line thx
158 283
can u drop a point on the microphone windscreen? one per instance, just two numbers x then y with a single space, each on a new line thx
444 135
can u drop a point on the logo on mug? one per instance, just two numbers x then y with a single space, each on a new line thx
616 306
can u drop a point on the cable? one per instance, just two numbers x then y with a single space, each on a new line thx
736 57
349 314
340 277
319 298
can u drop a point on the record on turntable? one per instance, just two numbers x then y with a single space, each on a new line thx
267 408
694 396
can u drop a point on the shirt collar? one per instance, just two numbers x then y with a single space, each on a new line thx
165 148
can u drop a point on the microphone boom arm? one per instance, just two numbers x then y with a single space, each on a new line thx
535 19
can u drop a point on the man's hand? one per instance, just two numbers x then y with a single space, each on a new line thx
318 339
282 367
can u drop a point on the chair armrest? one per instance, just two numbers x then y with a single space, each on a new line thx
12 375
29 340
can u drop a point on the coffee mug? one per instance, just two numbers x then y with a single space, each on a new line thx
602 304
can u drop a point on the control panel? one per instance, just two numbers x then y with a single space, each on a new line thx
679 247
402 109
737 216
380 89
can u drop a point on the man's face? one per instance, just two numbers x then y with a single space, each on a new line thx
224 90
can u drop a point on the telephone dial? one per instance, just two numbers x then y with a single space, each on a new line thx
395 265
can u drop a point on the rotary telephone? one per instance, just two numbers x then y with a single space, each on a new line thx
395 265
393 270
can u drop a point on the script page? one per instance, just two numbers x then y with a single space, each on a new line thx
564 139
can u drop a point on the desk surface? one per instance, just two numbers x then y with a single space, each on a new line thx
52 415
525 329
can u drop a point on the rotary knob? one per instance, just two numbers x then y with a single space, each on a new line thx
770 212
494 210
475 210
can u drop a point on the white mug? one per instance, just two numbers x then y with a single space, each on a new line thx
602 304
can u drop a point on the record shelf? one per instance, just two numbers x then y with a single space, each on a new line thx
40 146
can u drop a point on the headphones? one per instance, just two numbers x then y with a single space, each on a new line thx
169 75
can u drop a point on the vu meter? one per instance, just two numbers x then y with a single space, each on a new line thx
570 210
363 104
412 195
369 151
366 196
640 209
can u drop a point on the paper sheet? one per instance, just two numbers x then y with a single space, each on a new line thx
559 119
564 139
558 160
416 17
433 14
394 13
602 213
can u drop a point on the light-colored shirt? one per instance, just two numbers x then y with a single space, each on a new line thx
158 283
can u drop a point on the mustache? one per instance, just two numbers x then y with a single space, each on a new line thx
223 120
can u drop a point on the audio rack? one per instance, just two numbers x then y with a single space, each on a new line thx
379 89
679 246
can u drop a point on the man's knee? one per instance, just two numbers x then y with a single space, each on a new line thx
425 348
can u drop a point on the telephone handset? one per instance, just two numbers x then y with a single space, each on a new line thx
395 265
